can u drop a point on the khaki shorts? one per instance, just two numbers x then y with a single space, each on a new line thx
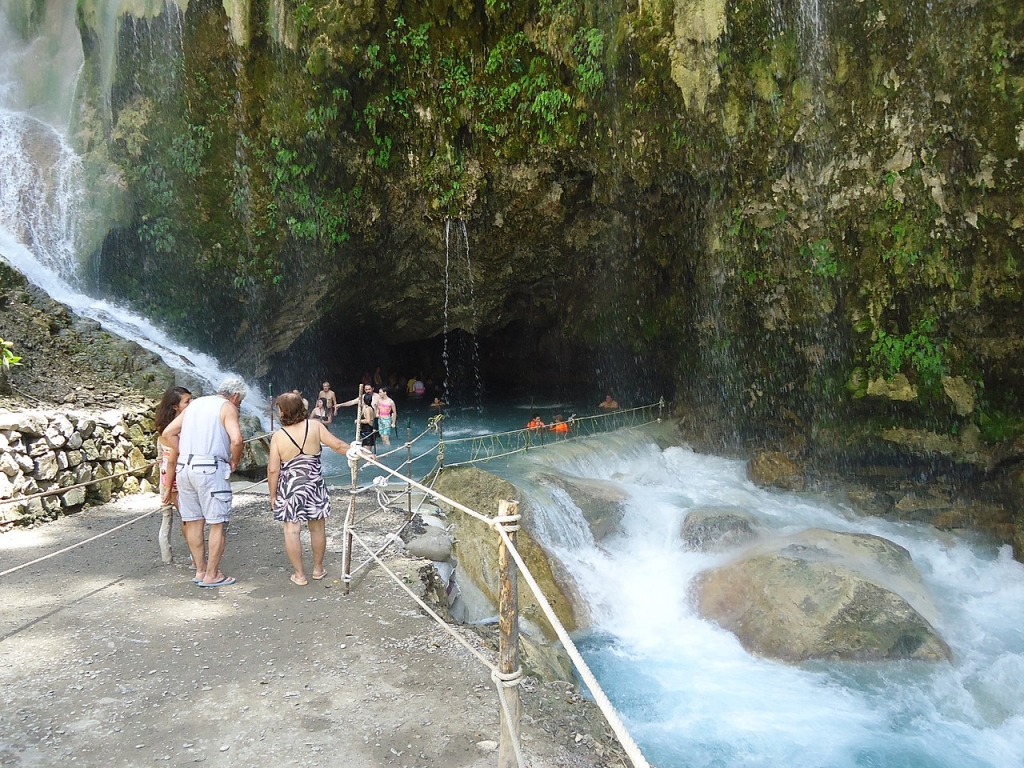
204 492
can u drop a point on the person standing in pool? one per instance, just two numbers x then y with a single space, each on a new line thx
331 400
387 415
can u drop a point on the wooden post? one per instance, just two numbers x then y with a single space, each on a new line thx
350 517
408 467
508 639
440 441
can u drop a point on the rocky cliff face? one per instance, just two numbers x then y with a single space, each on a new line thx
805 221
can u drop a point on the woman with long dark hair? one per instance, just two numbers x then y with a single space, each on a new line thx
320 412
174 401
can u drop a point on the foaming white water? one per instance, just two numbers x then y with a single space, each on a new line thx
692 696
40 201
43 194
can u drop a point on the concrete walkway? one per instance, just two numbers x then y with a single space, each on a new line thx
110 658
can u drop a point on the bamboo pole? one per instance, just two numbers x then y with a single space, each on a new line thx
350 515
350 518
508 640
408 464
440 442
346 554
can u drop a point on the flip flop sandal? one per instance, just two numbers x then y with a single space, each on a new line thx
227 581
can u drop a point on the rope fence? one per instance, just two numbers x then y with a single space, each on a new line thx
500 444
79 544
136 471
507 674
504 525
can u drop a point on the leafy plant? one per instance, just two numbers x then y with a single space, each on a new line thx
7 356
588 47
890 353
821 256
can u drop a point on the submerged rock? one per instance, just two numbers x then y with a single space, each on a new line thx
477 550
715 529
824 595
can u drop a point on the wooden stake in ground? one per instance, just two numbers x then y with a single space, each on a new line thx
508 639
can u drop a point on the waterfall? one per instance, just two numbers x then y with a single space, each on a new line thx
43 201
478 384
460 364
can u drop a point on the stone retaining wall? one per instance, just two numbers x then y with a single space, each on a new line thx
47 450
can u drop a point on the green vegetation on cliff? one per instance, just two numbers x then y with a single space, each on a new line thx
720 192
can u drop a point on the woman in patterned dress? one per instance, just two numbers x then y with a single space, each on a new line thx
297 490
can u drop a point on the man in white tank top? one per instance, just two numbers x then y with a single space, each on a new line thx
206 447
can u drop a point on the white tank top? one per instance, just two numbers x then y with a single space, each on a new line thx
202 433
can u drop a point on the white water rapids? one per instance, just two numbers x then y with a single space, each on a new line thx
692 696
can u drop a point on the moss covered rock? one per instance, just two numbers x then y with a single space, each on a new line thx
477 549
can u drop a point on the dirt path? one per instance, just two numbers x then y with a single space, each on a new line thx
109 658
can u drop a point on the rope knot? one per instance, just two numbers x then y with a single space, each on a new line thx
507 679
508 522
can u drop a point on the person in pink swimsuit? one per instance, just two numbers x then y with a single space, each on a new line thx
387 415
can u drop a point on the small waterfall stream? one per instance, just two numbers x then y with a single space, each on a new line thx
463 382
43 201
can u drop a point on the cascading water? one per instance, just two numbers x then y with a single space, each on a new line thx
692 696
42 191
478 382
447 292
462 379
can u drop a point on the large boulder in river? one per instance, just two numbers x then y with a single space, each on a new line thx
824 595
716 529
477 549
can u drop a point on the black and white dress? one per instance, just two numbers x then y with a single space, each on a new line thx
301 490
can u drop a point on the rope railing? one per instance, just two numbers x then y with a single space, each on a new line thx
64 489
501 681
140 470
406 446
79 544
500 524
500 444
507 443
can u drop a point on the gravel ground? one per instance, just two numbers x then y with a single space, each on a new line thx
110 658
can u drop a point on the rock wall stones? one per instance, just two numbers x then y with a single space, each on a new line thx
75 458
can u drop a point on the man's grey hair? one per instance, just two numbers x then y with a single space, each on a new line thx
231 386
